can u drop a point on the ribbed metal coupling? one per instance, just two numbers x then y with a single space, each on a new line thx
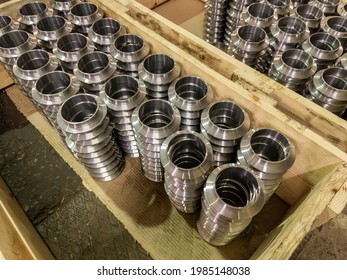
269 154
83 15
324 49
103 32
187 158
329 89
342 61
129 50
122 94
93 70
342 9
224 123
249 44
13 44
70 48
190 95
83 120
62 7
293 69
337 27
7 24
31 65
153 121
50 92
158 71
281 7
215 20
329 7
49 29
233 195
311 15
30 14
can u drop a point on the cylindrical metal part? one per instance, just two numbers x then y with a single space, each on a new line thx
342 61
62 7
281 7
7 24
30 14
311 15
337 27
342 9
329 7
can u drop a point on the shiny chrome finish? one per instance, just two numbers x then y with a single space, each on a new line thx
337 27
215 20
7 24
311 15
31 13
232 196
62 7
328 7
342 9
281 7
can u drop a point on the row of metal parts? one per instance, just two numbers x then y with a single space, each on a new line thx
228 171
301 44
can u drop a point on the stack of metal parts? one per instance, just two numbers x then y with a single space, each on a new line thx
215 20
129 50
187 158
153 121
103 32
281 7
190 95
93 70
233 195
83 15
122 94
30 14
342 9
311 15
249 44
293 69
342 61
82 118
328 7
329 89
158 71
337 27
62 7
12 45
224 123
30 66
324 49
7 24
49 29
269 154
51 91
70 48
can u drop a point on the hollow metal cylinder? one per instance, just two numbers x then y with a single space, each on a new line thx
342 9
49 29
337 27
269 153
224 123
70 48
187 158
103 32
93 70
158 71
153 121
62 7
82 118
7 24
83 15
329 89
311 15
328 7
30 66
281 7
122 94
232 196
30 14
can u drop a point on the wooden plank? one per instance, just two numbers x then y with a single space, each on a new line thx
306 112
5 79
282 241
19 239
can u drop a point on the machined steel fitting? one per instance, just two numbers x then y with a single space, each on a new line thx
30 14
215 20
94 69
187 158
129 50
70 48
342 61
329 89
269 153
62 7
31 65
296 3
224 123
342 9
122 94
190 95
329 7
294 69
82 118
83 15
281 7
324 49
49 29
232 196
158 71
311 15
13 44
7 24
103 32
153 121
337 27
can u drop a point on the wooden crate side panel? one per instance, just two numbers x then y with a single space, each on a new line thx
5 79
311 115
19 239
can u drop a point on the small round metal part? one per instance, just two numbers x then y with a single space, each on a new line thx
62 7
30 14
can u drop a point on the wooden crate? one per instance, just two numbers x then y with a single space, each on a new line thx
314 186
